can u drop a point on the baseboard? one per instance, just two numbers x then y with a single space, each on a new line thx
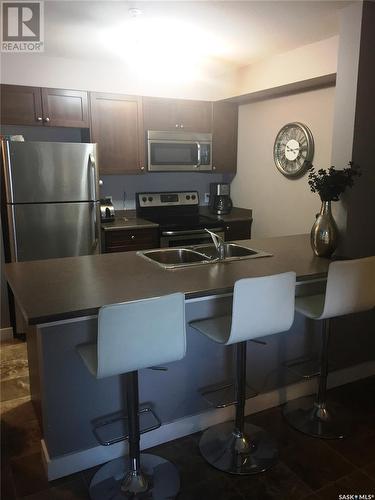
6 334
68 464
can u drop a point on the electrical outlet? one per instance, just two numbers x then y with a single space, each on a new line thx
207 198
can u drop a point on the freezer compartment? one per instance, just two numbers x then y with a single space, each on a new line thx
52 230
48 172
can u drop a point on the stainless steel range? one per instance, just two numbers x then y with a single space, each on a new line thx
177 214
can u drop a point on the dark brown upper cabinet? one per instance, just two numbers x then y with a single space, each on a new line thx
224 137
21 105
177 114
117 127
65 108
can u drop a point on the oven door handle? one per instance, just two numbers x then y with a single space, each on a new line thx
193 231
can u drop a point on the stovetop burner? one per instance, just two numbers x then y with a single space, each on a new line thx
183 222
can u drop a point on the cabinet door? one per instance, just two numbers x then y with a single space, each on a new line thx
116 126
65 108
195 116
160 114
177 114
21 105
237 230
224 137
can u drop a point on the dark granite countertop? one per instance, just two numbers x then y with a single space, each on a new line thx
57 289
236 214
127 219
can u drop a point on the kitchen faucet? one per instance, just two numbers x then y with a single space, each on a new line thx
219 244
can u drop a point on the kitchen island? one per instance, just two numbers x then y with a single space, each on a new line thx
60 299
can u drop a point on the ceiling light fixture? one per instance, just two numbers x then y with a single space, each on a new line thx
134 12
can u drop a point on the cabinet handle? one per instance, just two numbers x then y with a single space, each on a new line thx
182 125
142 167
132 237
46 119
213 168
177 125
39 119
227 228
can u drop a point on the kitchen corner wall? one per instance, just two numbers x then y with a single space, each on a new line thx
281 206
117 185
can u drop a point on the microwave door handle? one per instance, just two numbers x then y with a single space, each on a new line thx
198 154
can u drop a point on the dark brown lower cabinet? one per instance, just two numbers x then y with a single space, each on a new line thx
238 230
125 240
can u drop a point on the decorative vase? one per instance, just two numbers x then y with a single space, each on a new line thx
324 233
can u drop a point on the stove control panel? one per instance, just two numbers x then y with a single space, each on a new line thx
166 199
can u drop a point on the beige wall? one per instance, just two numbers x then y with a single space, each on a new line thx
309 61
44 71
280 205
304 63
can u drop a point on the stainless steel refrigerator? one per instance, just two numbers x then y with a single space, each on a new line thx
52 199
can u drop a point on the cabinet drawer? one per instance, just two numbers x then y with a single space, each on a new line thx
125 240
238 230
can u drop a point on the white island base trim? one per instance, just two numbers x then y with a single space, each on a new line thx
68 464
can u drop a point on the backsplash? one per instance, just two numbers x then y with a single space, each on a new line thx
117 185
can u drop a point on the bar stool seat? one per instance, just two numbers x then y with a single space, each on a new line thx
350 289
261 306
132 336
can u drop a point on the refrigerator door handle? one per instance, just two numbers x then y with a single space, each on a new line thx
12 230
96 246
92 166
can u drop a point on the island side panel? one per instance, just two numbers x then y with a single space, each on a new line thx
72 397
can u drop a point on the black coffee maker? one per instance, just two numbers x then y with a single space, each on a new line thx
220 202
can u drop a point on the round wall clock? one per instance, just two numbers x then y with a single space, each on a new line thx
293 150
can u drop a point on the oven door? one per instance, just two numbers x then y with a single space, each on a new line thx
186 238
178 155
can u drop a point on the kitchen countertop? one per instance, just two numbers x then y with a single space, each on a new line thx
58 289
236 214
127 219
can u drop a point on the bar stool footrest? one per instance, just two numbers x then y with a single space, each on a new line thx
305 368
224 394
113 428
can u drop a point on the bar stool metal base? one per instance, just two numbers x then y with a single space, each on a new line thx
250 453
305 415
160 474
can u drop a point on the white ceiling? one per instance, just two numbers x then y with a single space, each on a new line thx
215 35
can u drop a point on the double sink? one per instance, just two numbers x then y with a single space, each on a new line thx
171 258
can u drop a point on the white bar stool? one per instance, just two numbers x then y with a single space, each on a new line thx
132 336
261 306
350 289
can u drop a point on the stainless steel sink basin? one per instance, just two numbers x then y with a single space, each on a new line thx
232 252
174 257
170 258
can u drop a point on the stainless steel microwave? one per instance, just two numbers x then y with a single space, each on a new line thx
179 151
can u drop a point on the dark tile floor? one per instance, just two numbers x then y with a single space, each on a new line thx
309 469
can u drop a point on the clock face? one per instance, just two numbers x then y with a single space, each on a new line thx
293 150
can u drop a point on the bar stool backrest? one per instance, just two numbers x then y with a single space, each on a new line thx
350 287
262 306
140 334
